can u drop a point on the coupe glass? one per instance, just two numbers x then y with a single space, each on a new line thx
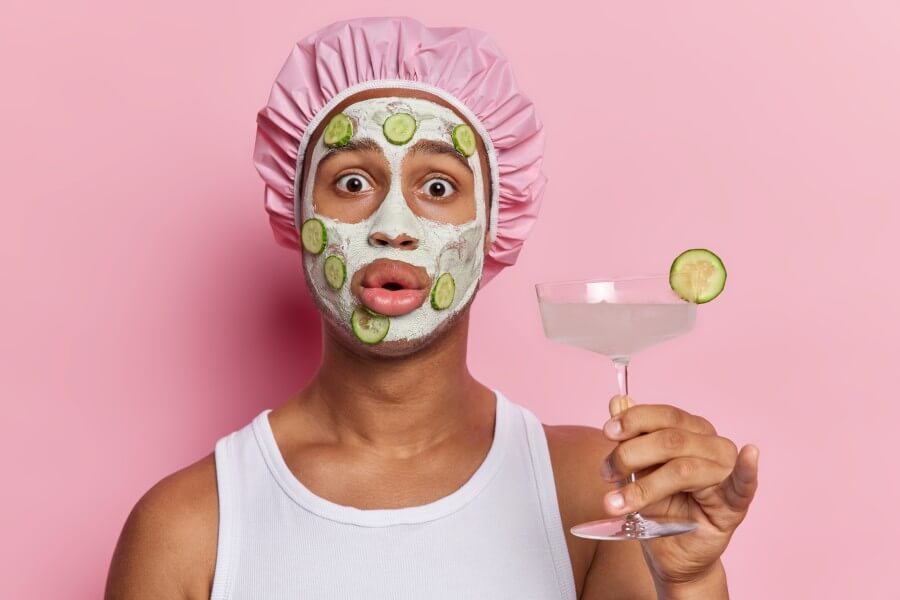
616 318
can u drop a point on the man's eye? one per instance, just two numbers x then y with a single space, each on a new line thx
438 187
355 183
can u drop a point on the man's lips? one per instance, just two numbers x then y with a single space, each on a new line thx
392 303
393 288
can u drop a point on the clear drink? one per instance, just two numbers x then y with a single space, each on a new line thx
617 318
612 329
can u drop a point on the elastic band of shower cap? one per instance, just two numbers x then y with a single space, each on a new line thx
460 65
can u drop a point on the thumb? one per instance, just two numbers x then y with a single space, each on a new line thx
740 487
618 404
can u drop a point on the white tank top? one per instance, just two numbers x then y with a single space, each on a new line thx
498 536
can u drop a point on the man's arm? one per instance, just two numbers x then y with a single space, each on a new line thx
167 547
602 570
618 572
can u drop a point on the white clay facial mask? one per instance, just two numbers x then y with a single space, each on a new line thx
443 261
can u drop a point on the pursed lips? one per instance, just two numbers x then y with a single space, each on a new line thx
391 287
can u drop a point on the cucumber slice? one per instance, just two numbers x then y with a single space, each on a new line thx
443 292
368 326
464 139
399 128
338 131
313 236
335 271
697 275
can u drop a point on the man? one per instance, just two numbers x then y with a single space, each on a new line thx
395 473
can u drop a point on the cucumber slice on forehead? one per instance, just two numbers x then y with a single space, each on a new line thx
399 128
338 131
464 139
369 327
335 271
697 275
313 236
443 292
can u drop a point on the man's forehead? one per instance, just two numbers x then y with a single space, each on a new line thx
425 146
415 103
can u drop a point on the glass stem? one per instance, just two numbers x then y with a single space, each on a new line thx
622 375
634 523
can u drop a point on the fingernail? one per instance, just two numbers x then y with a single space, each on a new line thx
613 427
616 501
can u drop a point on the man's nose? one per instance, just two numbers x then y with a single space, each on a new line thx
394 224
402 241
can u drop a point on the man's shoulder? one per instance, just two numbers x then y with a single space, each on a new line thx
187 498
576 437
168 543
577 451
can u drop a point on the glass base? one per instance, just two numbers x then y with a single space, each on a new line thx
631 527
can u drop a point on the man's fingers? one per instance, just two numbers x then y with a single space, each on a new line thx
664 445
740 487
678 475
618 404
644 418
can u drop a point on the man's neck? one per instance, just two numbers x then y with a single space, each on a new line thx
398 405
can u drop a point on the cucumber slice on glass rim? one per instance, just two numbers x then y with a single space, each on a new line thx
697 275
313 236
443 291
369 327
338 131
335 271
463 139
399 128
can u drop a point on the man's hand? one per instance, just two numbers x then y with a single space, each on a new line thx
685 471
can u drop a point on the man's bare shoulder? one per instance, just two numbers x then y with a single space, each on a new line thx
575 438
577 453
167 548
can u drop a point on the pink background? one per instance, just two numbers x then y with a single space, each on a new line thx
148 312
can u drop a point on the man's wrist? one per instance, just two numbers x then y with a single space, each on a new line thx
712 585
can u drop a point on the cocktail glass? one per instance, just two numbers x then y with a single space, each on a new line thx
617 318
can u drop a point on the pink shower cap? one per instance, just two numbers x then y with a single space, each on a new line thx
461 65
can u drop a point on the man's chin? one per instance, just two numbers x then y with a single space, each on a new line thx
392 348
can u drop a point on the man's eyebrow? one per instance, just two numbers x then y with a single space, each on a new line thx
358 145
438 147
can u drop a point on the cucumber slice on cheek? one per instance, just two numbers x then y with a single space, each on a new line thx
443 292
313 236
697 275
335 271
369 327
